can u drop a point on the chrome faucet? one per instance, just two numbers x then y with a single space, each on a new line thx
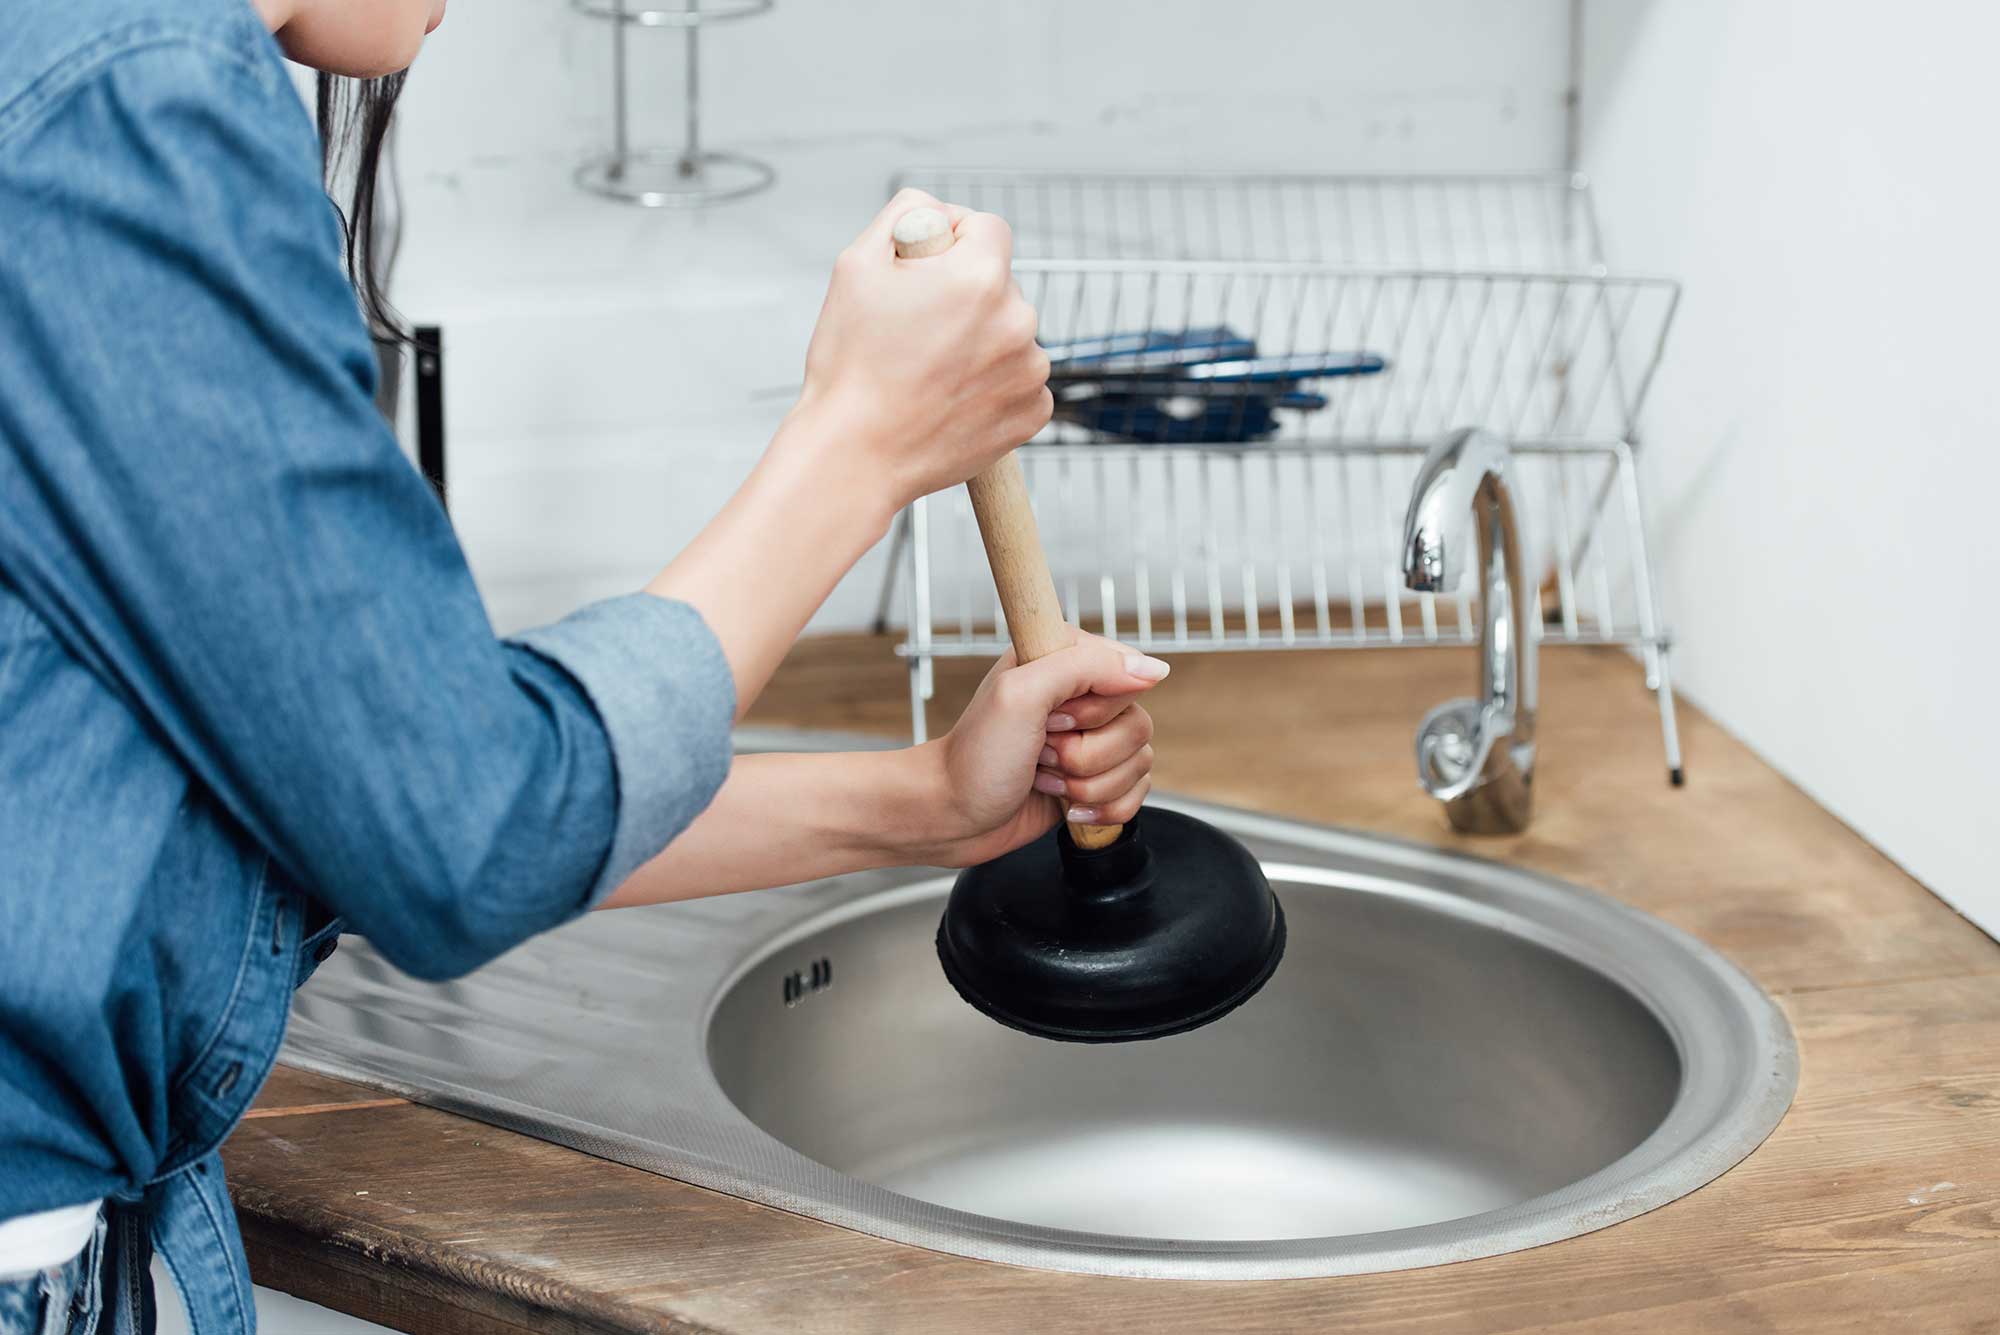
1477 756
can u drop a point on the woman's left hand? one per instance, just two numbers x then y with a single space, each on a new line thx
1060 738
1069 721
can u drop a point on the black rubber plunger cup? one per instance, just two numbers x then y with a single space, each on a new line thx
1165 929
1093 933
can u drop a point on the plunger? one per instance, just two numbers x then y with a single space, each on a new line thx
1093 933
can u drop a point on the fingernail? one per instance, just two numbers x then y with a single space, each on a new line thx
1145 667
1050 784
1060 723
1083 815
1048 755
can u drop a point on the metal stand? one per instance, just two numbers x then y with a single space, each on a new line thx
689 176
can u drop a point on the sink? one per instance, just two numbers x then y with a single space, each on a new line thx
1456 1059
1409 1065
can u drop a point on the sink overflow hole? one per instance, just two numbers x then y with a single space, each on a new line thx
802 983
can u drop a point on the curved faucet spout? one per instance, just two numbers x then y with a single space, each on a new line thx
1477 756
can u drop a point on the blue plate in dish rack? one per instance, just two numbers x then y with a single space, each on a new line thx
1191 386
1144 351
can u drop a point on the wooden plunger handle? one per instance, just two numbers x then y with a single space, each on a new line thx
1007 524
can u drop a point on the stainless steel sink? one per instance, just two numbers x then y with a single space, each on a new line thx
1456 1059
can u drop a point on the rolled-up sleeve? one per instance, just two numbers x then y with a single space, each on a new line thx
200 499
663 691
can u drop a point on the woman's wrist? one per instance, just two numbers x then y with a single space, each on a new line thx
823 500
823 447
760 569
909 802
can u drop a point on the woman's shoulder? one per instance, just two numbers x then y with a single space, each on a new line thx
157 157
49 48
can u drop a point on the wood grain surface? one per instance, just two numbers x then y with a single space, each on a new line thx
1874 1207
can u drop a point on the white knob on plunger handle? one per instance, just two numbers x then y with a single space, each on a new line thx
921 233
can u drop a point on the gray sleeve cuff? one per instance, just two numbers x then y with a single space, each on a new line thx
657 678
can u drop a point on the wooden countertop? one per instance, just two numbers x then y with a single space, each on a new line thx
1875 1206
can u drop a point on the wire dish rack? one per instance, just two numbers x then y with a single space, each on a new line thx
1257 501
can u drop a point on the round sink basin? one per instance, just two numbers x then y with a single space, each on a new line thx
1406 1066
1455 1060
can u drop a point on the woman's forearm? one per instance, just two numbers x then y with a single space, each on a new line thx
782 819
762 567
998 779
919 374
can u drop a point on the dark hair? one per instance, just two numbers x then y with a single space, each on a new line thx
353 117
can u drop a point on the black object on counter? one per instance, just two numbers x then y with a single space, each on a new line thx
1168 928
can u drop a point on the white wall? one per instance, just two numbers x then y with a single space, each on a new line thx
612 372
1824 443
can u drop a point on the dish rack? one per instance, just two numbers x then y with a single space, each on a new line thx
1467 300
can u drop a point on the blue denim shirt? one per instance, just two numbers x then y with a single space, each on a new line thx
248 692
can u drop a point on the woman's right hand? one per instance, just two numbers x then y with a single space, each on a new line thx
927 368
921 373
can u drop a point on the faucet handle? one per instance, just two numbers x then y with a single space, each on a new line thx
1452 745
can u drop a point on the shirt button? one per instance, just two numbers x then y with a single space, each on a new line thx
324 949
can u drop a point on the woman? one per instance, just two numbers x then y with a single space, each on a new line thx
250 696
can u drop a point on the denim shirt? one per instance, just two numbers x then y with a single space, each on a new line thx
248 691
